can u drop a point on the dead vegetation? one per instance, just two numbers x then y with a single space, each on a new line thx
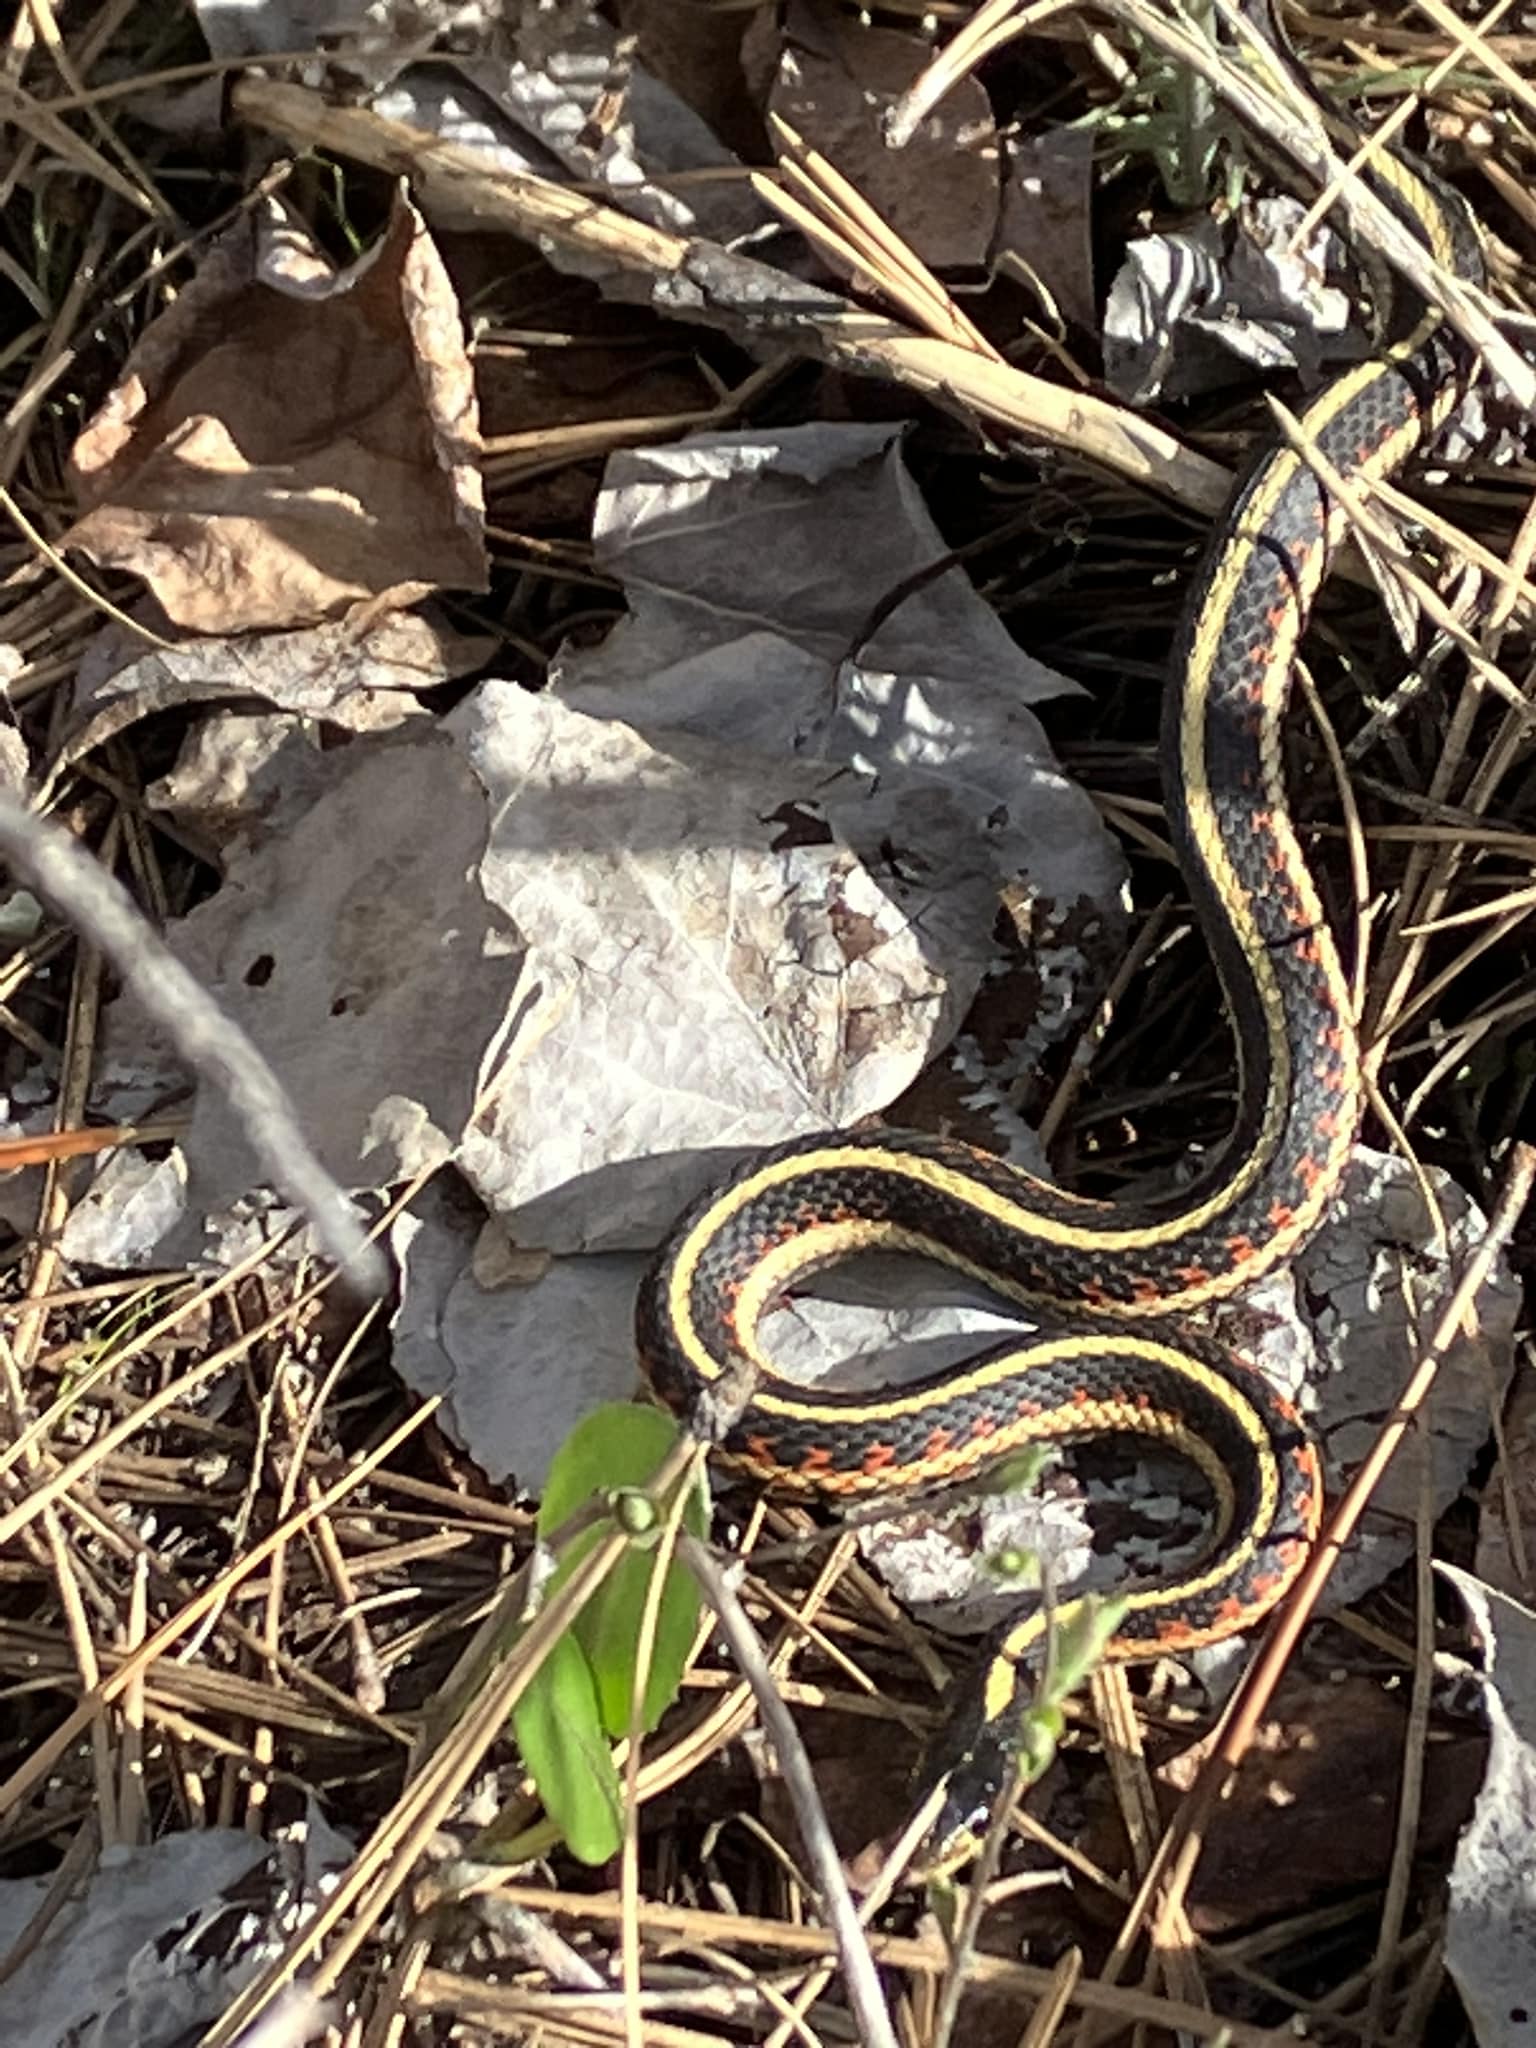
351 397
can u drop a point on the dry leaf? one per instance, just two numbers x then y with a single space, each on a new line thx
289 441
1506 1536
359 675
939 193
1490 1929
1313 1811
1045 235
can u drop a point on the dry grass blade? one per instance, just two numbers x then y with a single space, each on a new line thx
991 28
374 1880
84 1717
863 1985
841 334
1162 1892
849 230
925 1958
241 1586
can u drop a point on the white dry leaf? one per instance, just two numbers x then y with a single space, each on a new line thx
526 121
574 88
1195 309
102 1974
722 962
239 775
132 1204
1367 1332
1490 1928
359 951
15 762
746 890
758 880
549 88
21 915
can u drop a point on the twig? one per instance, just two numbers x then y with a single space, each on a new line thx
864 1994
1179 1851
97 905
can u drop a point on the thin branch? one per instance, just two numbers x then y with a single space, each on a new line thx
97 905
864 1994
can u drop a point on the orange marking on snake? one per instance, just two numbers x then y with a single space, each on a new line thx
1264 1586
1175 1634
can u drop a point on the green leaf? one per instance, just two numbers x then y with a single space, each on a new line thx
560 1734
1020 1472
1082 1630
1039 1734
620 1447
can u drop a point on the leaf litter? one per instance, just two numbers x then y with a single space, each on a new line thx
679 823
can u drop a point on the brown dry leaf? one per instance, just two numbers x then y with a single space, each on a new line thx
603 363
696 53
290 440
1045 235
1314 1808
940 193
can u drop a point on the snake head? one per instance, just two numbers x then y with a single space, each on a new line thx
969 1761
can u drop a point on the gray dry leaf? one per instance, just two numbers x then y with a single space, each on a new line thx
1506 1534
1045 234
357 675
1490 1932
745 891
106 1970
546 86
355 947
1368 1326
289 441
517 1360
1193 310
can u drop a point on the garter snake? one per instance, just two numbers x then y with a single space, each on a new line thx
1115 1363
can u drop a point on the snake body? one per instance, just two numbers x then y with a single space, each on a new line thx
1104 1280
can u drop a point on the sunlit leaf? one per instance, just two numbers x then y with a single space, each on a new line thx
619 1446
560 1734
